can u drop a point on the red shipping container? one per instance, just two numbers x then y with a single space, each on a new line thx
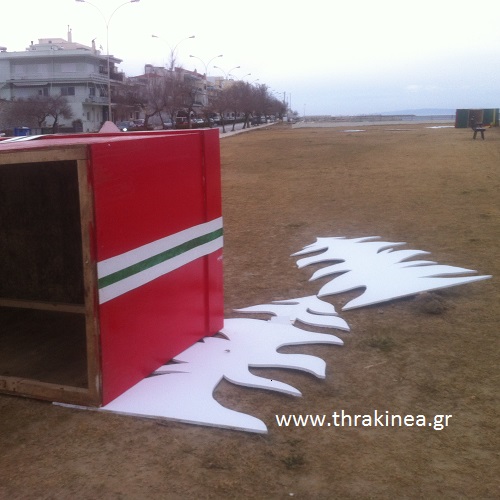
142 261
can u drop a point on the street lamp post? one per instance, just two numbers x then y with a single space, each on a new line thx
106 22
206 65
279 92
227 73
206 71
172 50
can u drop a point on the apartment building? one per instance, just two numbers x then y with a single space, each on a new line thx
197 82
55 66
183 90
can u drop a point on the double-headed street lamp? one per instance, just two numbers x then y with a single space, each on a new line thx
172 50
207 64
206 72
106 22
227 73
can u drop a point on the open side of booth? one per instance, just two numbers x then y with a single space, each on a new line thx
48 333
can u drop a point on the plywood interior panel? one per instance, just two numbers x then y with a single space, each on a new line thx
40 244
41 345
42 311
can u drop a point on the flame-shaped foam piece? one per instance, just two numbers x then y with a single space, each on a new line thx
184 391
309 310
385 273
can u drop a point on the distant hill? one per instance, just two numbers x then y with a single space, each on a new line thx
421 112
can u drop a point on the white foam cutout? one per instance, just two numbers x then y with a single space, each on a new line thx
385 273
309 310
184 391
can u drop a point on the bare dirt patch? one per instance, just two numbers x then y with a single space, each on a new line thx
437 353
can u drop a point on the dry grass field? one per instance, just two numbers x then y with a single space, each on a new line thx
437 353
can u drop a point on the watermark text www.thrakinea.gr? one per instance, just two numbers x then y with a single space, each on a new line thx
373 419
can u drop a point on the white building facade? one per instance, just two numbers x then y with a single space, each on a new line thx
54 67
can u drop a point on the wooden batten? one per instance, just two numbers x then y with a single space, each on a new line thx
43 306
35 155
90 283
48 391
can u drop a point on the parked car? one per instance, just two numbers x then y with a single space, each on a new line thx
126 126
168 124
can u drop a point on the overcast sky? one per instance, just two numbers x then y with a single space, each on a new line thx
327 56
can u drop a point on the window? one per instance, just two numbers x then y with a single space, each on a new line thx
91 91
66 91
68 67
44 92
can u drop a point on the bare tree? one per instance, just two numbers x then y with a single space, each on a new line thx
19 112
3 113
236 98
191 96
159 92
266 104
58 107
249 98
35 110
174 90
220 103
146 93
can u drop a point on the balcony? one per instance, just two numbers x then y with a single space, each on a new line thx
93 99
114 75
117 77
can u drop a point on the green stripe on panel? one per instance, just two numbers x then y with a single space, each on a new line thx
158 259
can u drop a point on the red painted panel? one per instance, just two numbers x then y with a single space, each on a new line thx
215 291
146 327
146 191
143 191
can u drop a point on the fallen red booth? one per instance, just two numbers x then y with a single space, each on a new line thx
110 259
